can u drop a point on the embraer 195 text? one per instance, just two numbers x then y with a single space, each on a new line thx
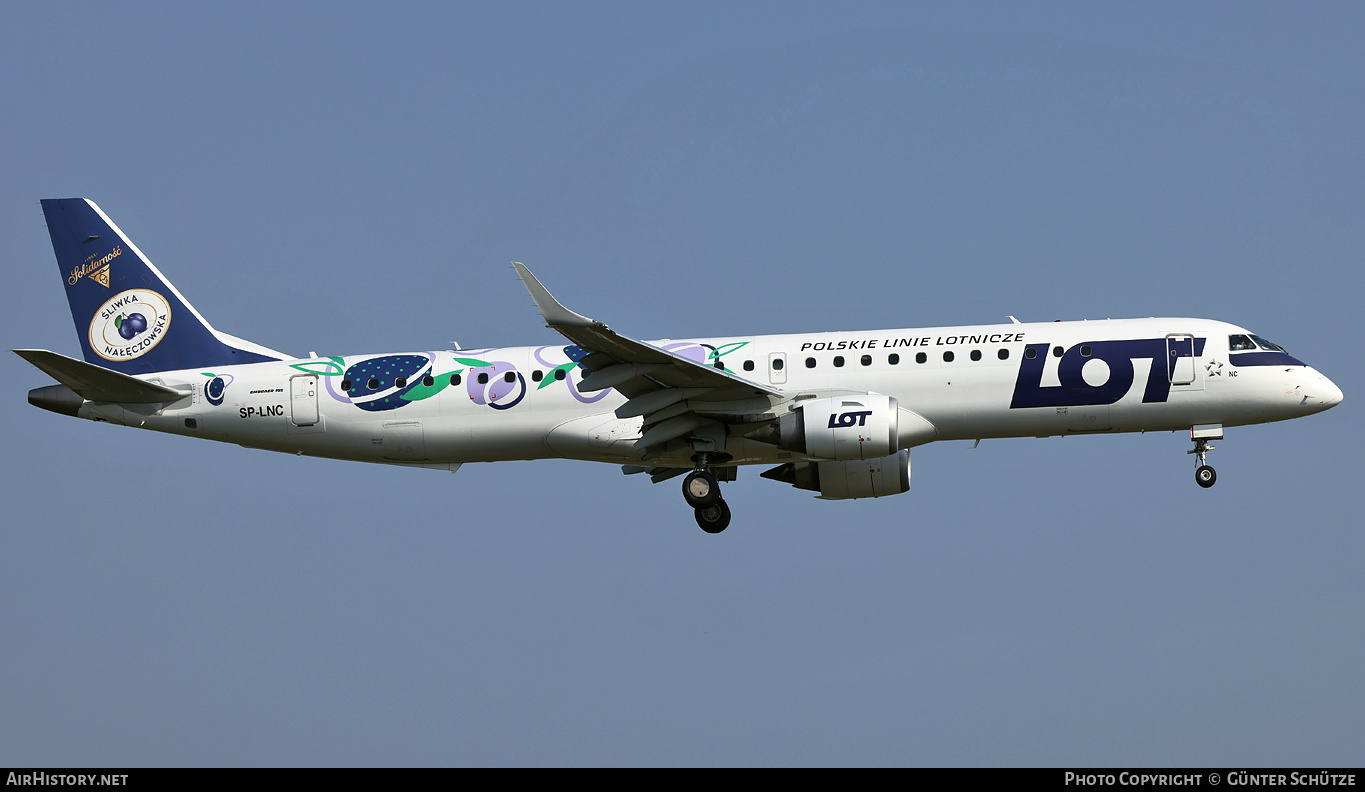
834 413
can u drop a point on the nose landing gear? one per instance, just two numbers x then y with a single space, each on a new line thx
1204 475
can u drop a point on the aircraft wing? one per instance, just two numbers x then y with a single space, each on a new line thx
675 395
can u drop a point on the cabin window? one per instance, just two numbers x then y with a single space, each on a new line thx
536 376
345 385
191 423
454 379
778 363
1057 351
428 381
1085 350
838 361
373 384
748 365
893 358
810 362
483 378
866 360
976 354
559 374
920 357
401 382
948 356
1030 353
1003 354
510 376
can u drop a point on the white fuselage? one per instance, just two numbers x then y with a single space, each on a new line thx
1125 375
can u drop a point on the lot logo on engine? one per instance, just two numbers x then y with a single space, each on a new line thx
857 418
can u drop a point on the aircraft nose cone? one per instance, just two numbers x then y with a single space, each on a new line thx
1331 395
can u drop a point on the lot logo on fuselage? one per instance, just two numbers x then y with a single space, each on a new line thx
1100 372
129 324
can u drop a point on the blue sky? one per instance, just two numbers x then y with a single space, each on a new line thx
356 179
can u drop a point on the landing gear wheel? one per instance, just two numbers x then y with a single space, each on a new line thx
1203 474
714 518
700 489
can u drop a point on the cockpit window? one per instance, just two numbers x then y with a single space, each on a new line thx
1239 343
1266 345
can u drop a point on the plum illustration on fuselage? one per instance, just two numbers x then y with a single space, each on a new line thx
216 388
130 325
378 384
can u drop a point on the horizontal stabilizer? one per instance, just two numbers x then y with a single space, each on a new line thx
95 383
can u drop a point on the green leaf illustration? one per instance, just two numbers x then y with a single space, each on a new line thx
727 349
550 375
332 367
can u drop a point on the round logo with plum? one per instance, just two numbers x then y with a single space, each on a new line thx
215 389
129 324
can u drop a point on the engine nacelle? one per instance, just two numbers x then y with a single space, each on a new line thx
858 478
842 427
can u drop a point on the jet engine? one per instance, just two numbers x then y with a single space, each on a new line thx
858 478
837 427
859 426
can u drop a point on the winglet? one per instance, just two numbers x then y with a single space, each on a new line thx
556 315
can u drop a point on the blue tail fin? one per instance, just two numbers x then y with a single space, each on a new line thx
128 316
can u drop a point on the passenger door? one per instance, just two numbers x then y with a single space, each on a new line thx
303 400
1181 364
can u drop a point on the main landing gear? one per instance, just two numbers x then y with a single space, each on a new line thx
1201 434
714 518
701 490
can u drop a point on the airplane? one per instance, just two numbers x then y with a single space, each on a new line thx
835 413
